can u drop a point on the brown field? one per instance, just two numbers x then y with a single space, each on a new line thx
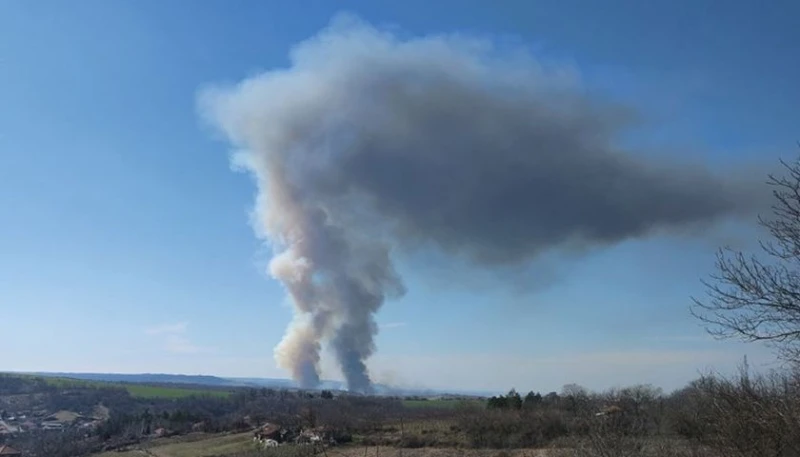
419 438
428 433
66 416
195 445
208 445
355 451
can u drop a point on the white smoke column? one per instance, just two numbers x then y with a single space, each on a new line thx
336 280
368 142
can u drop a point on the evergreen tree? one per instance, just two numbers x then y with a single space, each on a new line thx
514 400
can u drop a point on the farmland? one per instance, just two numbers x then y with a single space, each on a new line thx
142 390
202 445
242 444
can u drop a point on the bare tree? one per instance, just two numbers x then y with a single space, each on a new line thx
758 298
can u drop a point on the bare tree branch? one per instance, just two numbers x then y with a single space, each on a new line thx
758 298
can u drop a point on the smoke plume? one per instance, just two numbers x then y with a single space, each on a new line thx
369 142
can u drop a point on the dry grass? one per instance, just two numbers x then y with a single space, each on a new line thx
195 445
131 453
418 433
216 445
66 416
374 451
202 445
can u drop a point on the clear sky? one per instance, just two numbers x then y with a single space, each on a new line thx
125 244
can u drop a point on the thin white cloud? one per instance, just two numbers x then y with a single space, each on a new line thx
174 339
179 327
179 344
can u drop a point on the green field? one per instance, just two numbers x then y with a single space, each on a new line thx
139 390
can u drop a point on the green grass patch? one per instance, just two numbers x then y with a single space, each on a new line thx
69 382
138 390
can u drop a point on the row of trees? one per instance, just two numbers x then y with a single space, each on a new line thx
513 400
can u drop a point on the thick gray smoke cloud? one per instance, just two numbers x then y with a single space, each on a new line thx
368 142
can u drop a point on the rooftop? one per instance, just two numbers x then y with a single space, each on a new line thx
8 450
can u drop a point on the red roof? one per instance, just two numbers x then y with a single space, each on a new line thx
8 450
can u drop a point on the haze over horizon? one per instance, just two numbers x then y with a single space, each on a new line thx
128 244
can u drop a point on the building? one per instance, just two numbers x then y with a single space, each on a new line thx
50 425
8 451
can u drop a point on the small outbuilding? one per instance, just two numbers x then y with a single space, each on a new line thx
8 451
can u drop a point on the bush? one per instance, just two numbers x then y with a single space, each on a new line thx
744 416
501 429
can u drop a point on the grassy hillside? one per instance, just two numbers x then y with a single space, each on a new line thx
141 390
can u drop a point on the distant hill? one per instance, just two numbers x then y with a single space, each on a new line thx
273 383
216 381
148 378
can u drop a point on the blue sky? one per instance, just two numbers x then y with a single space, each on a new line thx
124 236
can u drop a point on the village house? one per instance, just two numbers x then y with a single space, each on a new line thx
8 451
51 425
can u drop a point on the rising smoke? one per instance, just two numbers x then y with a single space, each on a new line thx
368 142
